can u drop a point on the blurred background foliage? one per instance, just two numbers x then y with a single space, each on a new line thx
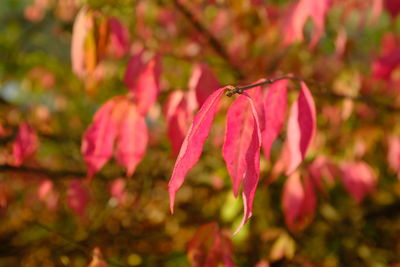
38 86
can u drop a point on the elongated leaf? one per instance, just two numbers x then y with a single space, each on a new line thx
178 114
25 144
192 146
203 81
238 135
252 174
119 38
133 69
275 106
98 140
132 139
301 127
145 88
393 155
80 30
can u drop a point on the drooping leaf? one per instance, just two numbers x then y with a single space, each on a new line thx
323 172
192 146
146 87
238 135
297 16
358 178
203 81
25 144
80 29
252 174
133 69
119 38
77 197
132 139
275 105
393 156
98 140
178 114
210 247
301 127
298 202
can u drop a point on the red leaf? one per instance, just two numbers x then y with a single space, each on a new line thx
25 144
358 179
297 16
393 155
238 135
145 88
119 38
275 106
133 69
178 114
298 202
210 247
301 127
98 140
393 7
77 197
132 139
322 172
203 81
192 146
252 174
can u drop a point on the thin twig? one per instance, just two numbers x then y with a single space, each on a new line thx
320 93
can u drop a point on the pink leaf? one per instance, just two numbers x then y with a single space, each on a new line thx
77 197
80 30
119 38
301 127
256 95
145 88
252 174
297 16
298 202
358 179
132 139
238 135
203 81
25 144
275 106
323 172
192 146
133 69
178 114
210 247
393 155
98 140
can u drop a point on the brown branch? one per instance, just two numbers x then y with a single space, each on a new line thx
320 93
211 39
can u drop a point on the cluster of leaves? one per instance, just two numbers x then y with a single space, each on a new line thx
137 85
